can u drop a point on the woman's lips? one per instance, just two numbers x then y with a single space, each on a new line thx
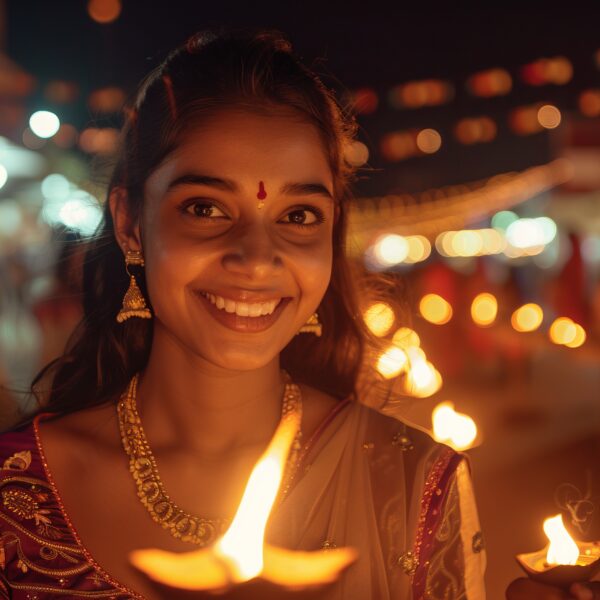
243 324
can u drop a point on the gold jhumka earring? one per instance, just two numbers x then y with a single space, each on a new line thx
312 326
134 303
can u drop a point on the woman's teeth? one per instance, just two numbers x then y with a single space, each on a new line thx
243 309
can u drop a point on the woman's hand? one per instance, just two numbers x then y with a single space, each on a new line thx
527 589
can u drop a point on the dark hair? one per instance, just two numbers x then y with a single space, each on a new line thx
256 71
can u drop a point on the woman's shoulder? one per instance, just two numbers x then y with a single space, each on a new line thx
400 434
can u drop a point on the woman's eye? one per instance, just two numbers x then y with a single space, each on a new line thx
308 216
203 210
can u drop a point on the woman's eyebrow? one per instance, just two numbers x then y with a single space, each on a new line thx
289 189
306 189
199 179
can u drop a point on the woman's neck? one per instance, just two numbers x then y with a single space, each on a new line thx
184 401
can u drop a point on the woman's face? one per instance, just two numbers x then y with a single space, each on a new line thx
205 240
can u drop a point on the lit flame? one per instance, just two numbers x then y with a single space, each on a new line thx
243 542
453 428
562 550
241 554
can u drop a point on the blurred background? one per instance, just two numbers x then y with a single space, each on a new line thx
479 187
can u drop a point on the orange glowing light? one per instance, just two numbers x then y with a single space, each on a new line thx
549 116
484 309
493 82
392 362
422 379
365 101
589 103
579 339
419 248
527 318
356 153
453 428
104 11
398 145
429 141
563 331
241 554
435 309
379 318
405 338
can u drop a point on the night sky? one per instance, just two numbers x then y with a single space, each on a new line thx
361 44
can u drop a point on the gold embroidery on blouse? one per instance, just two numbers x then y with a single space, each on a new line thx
24 498
445 574
19 461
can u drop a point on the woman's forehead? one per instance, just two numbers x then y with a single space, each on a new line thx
242 145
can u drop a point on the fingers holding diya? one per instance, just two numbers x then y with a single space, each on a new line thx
240 564
564 561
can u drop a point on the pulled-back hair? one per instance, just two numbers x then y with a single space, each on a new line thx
251 70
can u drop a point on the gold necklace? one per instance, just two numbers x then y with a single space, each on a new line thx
150 489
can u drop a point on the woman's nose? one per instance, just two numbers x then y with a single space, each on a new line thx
253 253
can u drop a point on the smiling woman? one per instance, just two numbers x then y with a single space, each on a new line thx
224 239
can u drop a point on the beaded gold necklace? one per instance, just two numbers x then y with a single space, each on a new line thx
150 489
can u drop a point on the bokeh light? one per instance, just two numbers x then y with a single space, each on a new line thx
104 11
392 362
493 82
356 153
3 176
501 220
453 428
365 101
422 379
435 309
589 103
406 338
429 141
549 116
527 317
563 331
579 339
391 249
44 123
379 318
484 309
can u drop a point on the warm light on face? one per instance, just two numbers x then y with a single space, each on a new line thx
527 318
435 309
453 428
562 550
484 309
379 318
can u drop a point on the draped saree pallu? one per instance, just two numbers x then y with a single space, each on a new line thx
364 480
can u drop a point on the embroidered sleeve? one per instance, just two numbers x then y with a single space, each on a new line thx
38 555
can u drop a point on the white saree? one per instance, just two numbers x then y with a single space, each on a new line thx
403 501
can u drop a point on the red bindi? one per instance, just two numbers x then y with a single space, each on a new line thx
261 191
